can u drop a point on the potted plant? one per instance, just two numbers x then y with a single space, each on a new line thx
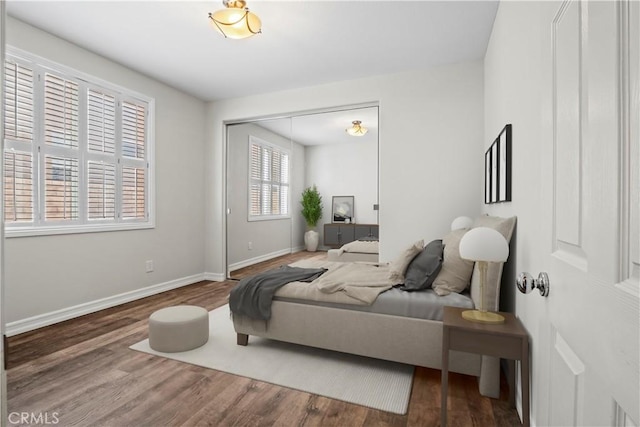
312 212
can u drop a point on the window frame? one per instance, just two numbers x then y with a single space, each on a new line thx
261 142
38 149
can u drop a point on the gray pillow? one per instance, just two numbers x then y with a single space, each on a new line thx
424 268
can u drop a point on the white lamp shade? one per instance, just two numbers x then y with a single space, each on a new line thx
236 22
484 244
461 222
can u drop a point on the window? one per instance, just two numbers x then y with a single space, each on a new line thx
77 151
268 180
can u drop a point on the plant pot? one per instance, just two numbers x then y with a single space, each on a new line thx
311 239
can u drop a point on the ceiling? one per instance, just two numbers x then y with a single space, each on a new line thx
327 127
304 43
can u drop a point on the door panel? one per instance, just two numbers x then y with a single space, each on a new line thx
567 385
568 143
593 328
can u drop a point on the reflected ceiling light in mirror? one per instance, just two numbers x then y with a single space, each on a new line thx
357 129
235 21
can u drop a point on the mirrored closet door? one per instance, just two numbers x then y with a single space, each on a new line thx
269 164
259 188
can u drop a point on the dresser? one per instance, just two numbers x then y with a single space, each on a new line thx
338 234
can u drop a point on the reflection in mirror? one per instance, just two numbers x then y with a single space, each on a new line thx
260 182
340 164
271 162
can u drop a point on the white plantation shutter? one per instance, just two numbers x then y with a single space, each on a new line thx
268 179
101 122
61 188
101 194
133 130
284 199
60 111
284 184
134 182
133 193
18 172
77 151
18 187
61 127
18 106
255 166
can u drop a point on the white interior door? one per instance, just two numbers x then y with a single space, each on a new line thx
591 128
3 374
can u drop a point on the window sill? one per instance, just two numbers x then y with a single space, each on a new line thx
268 218
77 229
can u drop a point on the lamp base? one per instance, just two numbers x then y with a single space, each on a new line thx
482 316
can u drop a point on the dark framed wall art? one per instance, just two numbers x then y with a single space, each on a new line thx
497 169
342 209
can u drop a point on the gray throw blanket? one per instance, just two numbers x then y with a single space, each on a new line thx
253 295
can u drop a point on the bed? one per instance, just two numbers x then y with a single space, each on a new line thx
379 332
358 250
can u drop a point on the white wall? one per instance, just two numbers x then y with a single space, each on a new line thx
513 88
431 156
345 170
49 273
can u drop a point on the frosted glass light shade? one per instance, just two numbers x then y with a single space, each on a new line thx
484 244
461 222
236 22
357 129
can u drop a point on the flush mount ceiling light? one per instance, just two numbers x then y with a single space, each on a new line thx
236 22
357 129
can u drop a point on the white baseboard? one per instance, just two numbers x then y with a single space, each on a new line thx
46 319
215 277
261 258
41 320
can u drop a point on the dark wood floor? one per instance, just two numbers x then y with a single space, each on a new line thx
275 263
82 373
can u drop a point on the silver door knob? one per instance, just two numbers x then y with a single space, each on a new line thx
527 283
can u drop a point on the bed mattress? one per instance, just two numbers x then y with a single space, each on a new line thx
422 304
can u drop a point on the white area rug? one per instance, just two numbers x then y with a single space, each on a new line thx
361 380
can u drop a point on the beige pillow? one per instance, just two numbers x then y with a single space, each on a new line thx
398 266
455 274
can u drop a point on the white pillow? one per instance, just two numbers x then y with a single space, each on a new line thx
398 266
455 274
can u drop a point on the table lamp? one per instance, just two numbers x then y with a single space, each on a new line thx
461 222
483 245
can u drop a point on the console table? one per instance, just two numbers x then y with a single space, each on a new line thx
338 234
508 340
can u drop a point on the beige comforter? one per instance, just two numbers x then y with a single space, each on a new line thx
345 283
361 246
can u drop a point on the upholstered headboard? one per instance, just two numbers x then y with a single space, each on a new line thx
504 226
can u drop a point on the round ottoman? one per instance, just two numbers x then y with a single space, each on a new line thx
179 328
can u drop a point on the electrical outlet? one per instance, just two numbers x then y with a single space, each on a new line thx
149 266
250 246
